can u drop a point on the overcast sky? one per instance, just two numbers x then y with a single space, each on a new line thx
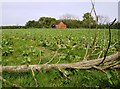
18 13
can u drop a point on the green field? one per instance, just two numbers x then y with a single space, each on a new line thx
54 46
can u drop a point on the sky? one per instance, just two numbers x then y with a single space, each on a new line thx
20 11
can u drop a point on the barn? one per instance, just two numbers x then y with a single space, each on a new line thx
61 25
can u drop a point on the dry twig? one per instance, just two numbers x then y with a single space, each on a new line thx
109 42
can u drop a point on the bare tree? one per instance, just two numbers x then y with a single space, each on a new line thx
103 19
69 17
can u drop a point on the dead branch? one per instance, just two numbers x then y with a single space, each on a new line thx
33 74
81 65
96 33
116 66
109 42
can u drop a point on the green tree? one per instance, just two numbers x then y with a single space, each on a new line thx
46 22
32 24
88 21
72 23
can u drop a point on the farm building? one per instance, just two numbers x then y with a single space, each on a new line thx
61 25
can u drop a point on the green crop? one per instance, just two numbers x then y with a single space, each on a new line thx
53 46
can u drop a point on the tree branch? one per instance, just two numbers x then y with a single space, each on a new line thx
109 42
81 65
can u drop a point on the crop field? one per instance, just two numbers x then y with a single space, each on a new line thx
57 46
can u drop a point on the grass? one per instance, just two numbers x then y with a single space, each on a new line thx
76 78
40 46
21 46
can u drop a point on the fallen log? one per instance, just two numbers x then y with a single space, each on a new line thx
78 65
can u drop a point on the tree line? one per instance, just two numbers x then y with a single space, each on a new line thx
71 22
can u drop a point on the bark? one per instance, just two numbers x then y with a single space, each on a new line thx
78 65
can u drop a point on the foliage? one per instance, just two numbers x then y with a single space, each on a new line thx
33 24
40 46
70 45
72 23
55 78
88 21
46 22
12 27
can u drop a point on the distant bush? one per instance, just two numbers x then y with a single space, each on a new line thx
12 27
114 26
